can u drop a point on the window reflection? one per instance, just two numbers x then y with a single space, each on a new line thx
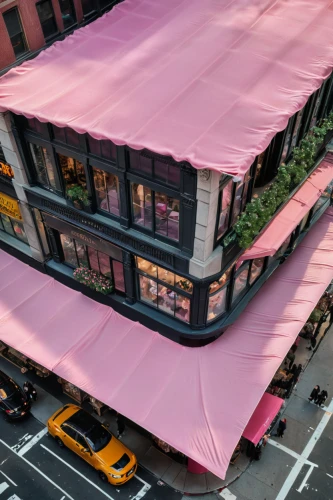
218 291
107 191
226 198
13 227
256 269
142 205
240 283
72 171
43 166
167 216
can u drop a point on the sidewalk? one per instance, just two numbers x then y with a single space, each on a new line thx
170 472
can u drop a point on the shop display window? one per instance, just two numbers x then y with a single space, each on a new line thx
257 267
44 169
107 191
240 281
72 171
218 294
161 288
13 227
77 254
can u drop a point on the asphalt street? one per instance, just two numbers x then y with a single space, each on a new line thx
32 466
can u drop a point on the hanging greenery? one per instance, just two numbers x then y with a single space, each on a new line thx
260 210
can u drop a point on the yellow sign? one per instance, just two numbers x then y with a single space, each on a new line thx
10 207
6 170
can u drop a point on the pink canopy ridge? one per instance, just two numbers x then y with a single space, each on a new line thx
209 81
284 223
199 400
263 416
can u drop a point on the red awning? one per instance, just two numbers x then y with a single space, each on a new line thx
263 416
291 215
199 400
199 80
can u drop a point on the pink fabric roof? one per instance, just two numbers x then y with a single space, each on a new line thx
291 215
263 416
199 400
208 81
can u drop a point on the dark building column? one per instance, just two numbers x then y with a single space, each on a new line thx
129 277
54 243
199 305
123 188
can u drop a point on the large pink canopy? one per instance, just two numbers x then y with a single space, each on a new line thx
199 400
263 416
208 81
291 215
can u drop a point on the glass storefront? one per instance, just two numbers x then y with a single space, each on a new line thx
218 291
10 218
164 290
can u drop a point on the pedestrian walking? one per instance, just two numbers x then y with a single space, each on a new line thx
30 390
314 394
120 425
313 342
321 398
281 427
291 358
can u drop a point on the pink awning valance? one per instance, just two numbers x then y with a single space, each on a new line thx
197 80
291 215
263 416
199 400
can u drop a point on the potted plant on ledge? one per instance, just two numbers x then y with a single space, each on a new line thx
94 280
79 197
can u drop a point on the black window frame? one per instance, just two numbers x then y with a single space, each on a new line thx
21 32
178 290
111 260
151 176
73 13
58 189
154 188
52 17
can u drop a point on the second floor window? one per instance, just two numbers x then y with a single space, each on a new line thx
47 18
107 191
44 169
15 31
155 211
67 12
72 171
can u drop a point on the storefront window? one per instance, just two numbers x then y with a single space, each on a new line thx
257 267
72 171
241 281
167 216
107 191
43 166
225 204
218 292
77 254
165 296
13 227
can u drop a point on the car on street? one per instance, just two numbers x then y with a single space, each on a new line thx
14 403
73 427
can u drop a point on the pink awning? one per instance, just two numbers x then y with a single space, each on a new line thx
291 215
263 416
199 400
198 80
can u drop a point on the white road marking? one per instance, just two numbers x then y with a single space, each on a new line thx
306 477
39 471
8 478
31 443
21 442
3 487
143 490
329 475
288 484
62 498
77 472
290 452
15 497
227 495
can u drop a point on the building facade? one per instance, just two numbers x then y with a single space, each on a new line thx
160 231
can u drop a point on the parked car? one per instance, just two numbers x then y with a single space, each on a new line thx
89 439
13 401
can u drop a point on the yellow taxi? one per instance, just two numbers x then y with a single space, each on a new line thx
82 433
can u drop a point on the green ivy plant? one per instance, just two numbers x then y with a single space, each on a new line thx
260 211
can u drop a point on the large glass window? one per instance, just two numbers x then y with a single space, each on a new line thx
47 18
15 31
257 267
72 171
225 204
218 296
67 12
43 166
158 168
155 211
240 281
13 227
107 191
164 290
77 254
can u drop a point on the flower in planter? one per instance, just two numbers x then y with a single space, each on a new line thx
93 280
78 193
